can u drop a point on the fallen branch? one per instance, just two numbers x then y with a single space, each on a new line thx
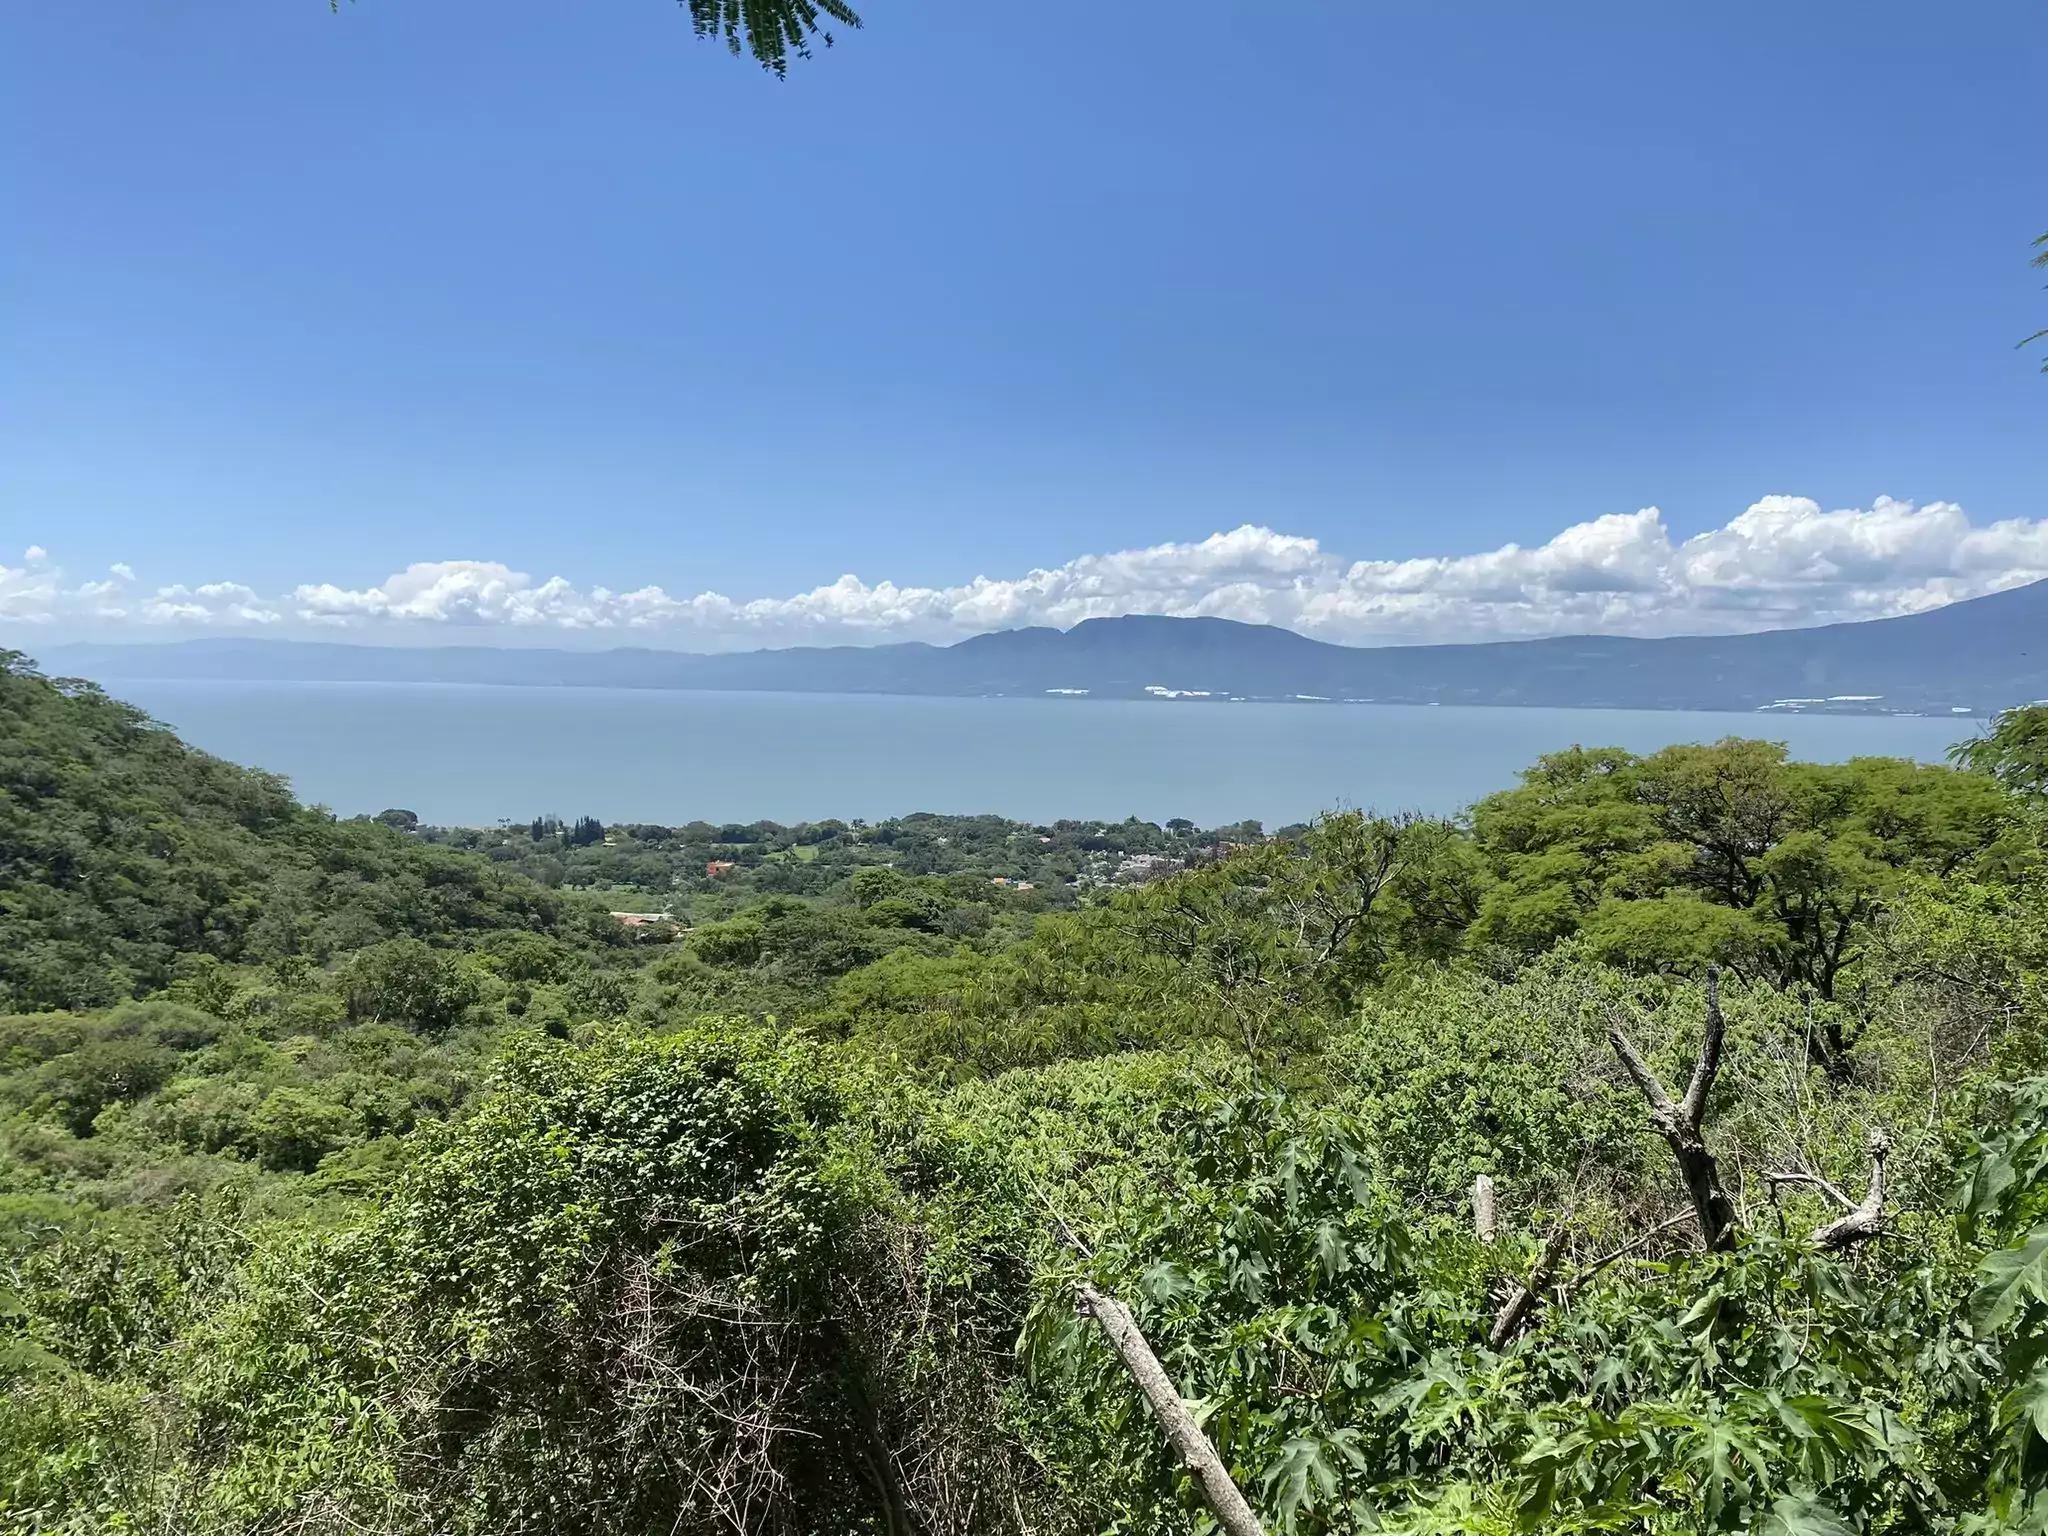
1515 1310
1233 1515
1514 1314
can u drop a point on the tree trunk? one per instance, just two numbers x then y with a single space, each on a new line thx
1233 1515
1702 1175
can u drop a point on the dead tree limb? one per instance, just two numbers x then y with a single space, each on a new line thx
1233 1515
1640 1240
1678 1121
1807 1176
1514 1315
1515 1310
1860 1220
1708 1064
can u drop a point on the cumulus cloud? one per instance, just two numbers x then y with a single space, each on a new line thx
228 604
1782 561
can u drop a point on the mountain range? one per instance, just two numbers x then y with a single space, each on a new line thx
1974 656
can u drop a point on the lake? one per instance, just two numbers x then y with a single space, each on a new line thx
473 755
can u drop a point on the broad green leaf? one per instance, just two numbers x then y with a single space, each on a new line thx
1803 1515
1330 1249
2007 1280
1300 1477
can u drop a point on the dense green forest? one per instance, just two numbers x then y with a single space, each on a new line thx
1661 1147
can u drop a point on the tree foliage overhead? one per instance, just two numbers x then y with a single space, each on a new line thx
2040 260
771 30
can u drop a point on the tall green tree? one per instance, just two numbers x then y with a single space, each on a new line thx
1724 854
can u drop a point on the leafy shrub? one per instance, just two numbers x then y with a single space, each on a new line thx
404 981
597 1305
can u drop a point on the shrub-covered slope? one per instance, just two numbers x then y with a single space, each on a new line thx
122 849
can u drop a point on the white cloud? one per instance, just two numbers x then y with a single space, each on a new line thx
29 592
1782 561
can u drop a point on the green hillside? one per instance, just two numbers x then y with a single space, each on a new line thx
1662 1148
124 852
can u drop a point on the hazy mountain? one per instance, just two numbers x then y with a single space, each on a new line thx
1978 655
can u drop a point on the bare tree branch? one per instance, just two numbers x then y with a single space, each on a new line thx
1679 1123
1233 1515
1832 1191
1645 1079
1865 1220
1640 1240
1694 1105
1860 1220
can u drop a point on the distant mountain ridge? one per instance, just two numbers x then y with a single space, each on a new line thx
1979 655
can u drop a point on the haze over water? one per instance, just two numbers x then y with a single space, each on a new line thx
474 755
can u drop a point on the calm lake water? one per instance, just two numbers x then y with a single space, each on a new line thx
464 755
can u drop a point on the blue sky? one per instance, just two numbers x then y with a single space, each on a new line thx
297 300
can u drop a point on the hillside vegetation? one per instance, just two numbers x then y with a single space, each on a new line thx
126 856
1661 1148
